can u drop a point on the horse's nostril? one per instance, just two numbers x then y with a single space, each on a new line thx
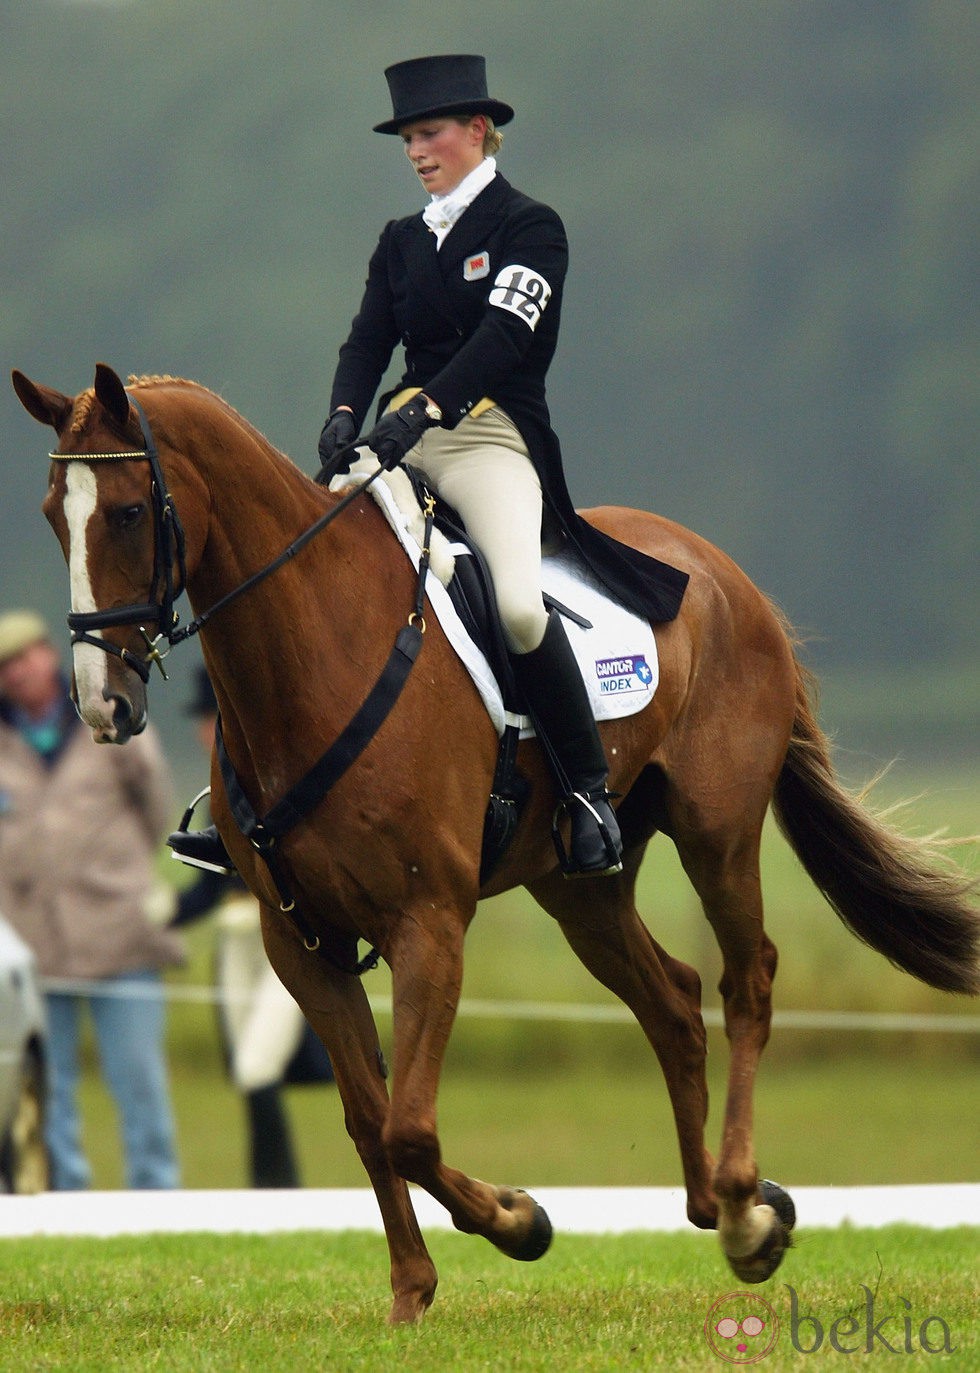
122 713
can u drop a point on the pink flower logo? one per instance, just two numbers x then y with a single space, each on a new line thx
741 1328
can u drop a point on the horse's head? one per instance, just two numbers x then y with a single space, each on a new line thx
107 507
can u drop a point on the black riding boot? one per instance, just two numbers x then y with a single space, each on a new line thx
551 682
270 1146
201 849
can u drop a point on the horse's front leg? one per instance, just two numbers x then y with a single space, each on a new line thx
426 964
336 1005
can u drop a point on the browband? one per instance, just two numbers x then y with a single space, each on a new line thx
96 457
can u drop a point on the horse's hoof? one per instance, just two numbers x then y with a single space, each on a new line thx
771 1194
760 1265
537 1238
408 1309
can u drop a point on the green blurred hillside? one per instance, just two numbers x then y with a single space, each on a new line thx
771 327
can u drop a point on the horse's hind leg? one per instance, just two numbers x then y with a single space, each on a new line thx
336 1006
600 921
724 868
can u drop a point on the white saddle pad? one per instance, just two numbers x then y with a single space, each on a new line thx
617 653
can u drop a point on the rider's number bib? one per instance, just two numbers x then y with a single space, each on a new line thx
523 292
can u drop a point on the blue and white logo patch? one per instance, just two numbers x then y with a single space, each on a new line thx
629 673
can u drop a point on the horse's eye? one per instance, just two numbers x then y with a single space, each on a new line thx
130 515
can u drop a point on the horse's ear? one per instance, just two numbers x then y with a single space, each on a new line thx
47 406
111 394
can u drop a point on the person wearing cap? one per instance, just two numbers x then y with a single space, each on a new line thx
472 287
266 1038
80 826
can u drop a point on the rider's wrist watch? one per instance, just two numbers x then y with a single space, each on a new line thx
432 411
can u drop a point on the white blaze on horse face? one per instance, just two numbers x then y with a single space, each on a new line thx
90 663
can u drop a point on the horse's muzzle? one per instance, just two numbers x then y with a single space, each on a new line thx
128 717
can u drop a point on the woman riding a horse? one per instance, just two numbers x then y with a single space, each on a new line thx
472 287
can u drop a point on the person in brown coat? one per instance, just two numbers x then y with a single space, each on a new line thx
266 1040
79 830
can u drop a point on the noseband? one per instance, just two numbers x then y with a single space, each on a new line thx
168 548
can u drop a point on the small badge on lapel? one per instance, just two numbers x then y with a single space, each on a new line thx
476 267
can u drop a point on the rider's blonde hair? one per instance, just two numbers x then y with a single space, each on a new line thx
492 139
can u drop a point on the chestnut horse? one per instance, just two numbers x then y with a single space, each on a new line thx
391 854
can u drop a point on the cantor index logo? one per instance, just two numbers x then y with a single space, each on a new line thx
631 672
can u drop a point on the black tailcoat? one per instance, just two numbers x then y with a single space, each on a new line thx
460 346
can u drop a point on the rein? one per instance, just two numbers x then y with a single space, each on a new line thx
300 542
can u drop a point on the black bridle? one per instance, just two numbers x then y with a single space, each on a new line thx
168 549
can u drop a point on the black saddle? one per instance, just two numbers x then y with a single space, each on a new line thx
471 592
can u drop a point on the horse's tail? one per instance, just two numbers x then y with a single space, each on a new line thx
899 895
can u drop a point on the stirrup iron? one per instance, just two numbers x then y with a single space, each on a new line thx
571 866
208 860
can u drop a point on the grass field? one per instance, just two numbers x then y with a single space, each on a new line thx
548 1102
637 1302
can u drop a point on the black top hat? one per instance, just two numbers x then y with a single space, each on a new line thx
450 84
203 702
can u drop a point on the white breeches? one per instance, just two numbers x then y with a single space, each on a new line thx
263 1023
482 468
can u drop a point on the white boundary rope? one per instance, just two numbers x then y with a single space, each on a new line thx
572 1210
583 1013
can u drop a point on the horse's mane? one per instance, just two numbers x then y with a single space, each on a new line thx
153 381
81 412
84 403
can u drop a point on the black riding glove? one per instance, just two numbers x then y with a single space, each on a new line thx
396 434
338 431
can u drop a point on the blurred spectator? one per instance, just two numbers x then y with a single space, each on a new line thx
80 825
266 1039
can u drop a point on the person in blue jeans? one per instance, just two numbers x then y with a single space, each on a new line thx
128 1017
80 827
